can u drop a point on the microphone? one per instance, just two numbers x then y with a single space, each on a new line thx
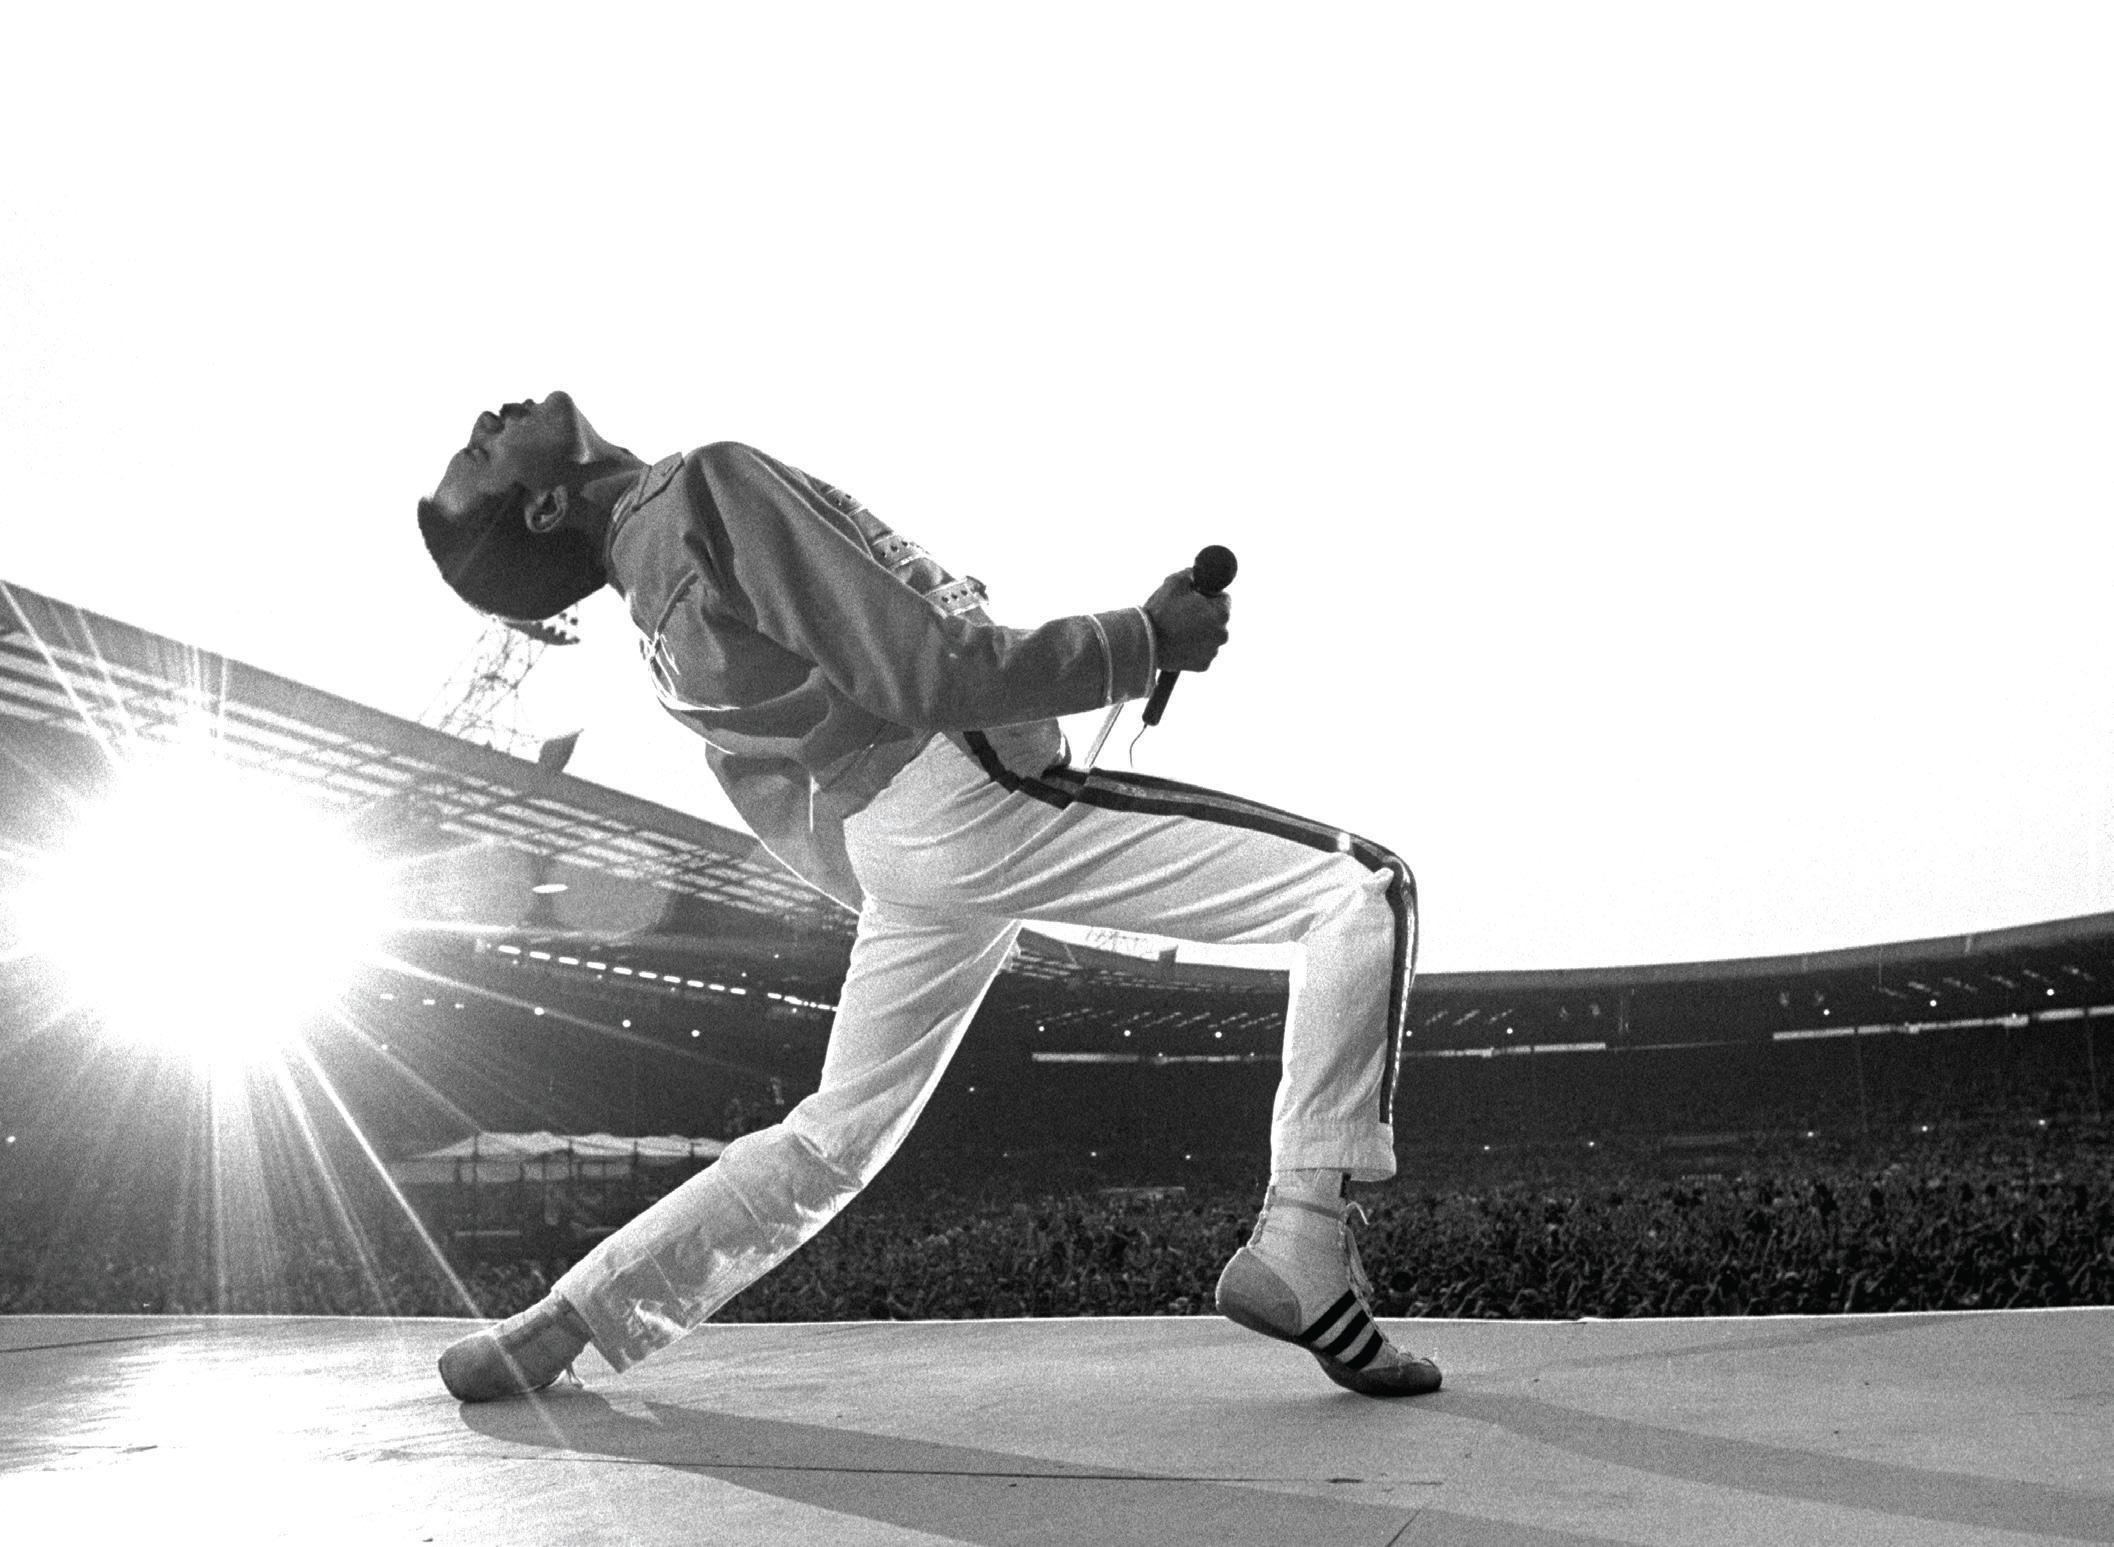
1212 572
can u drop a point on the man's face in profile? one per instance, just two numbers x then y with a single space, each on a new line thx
529 445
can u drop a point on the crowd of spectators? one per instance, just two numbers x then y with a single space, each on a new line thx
1973 1219
1961 1225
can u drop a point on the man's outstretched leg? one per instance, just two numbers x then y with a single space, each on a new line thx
1299 1278
959 829
915 981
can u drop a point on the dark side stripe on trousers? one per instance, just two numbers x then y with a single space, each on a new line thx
1145 795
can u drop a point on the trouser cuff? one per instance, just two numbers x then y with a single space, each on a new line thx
621 1336
1365 1150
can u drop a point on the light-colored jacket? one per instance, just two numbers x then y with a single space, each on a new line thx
817 652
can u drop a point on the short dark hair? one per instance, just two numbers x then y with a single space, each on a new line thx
493 561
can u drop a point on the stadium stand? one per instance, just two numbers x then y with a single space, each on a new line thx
681 984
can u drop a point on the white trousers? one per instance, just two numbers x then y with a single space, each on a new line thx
954 855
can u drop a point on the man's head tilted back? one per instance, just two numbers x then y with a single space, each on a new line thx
515 523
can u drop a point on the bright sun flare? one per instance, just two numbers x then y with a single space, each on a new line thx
204 907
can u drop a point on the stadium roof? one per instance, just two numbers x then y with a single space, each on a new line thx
74 676
68 671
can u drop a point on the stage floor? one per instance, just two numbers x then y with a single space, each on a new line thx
1918 1429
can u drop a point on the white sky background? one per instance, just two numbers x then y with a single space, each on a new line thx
1667 446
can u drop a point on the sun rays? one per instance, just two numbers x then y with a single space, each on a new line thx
255 940
189 941
190 872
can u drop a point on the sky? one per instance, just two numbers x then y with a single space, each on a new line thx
1667 447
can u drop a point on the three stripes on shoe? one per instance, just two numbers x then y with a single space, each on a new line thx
1344 1333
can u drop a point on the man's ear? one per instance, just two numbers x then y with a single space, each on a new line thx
545 510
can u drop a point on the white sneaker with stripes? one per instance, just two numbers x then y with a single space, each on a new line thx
1261 1289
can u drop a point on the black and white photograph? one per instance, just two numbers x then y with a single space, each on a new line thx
1132 775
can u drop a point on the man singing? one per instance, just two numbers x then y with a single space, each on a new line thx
899 751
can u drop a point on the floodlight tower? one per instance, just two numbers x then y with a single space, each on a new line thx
481 700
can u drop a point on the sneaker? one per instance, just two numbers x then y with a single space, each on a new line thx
524 1353
1343 1338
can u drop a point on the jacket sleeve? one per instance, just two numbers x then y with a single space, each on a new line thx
809 584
